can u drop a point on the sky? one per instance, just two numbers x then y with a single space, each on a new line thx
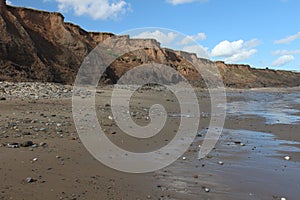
262 33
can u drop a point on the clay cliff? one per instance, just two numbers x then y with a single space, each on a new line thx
41 46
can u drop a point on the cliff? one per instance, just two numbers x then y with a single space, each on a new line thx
41 46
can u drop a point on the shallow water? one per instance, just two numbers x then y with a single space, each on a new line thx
276 108
255 171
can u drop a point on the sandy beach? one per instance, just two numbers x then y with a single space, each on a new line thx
50 162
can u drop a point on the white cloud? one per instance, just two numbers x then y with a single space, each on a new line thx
288 39
202 52
283 60
240 56
191 39
177 2
163 38
285 52
235 51
252 43
9 3
97 9
226 48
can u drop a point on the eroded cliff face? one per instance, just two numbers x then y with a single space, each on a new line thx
37 45
40 46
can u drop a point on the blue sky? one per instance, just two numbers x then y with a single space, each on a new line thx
262 33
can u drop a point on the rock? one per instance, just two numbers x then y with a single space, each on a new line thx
183 158
29 180
206 189
43 129
287 158
13 145
2 99
27 144
110 118
283 198
43 144
220 163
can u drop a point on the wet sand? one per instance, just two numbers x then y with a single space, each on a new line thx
64 169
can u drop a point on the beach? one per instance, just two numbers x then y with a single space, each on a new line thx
250 160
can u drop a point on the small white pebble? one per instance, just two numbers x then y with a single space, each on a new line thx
220 163
207 190
110 118
287 158
35 159
183 158
282 198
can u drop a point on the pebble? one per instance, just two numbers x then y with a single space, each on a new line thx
13 145
287 158
206 189
282 198
183 158
220 163
27 144
43 144
29 180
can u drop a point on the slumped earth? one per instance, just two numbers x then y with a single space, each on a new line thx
249 161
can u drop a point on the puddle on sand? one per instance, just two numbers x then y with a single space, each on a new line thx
276 108
255 171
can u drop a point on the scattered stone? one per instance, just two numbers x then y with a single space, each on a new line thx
35 159
110 118
29 180
206 189
149 197
43 144
27 144
282 198
220 163
196 176
287 158
13 145
35 146
2 99
183 158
